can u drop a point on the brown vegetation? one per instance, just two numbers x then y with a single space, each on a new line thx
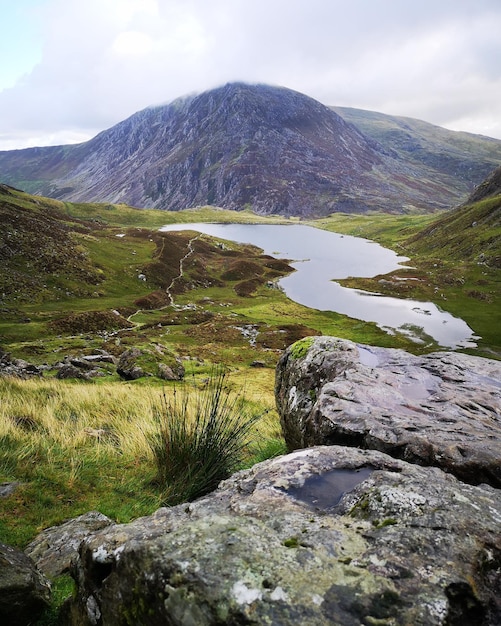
89 321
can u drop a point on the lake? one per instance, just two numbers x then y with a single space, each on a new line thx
321 257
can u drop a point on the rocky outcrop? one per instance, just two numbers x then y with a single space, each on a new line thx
19 368
441 409
24 590
54 548
329 535
136 363
490 187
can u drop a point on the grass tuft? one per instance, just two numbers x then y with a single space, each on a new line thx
202 438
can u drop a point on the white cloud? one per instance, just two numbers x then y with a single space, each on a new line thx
103 60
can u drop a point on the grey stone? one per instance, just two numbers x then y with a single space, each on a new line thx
24 591
68 370
103 357
328 535
54 548
127 367
165 372
135 363
17 367
441 409
80 362
6 489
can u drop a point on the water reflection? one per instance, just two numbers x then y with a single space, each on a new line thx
320 257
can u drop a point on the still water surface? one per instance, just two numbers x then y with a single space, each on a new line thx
321 257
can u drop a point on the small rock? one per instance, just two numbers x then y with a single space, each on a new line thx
258 364
24 590
165 372
6 489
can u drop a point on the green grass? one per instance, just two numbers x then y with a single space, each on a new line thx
62 588
75 447
122 216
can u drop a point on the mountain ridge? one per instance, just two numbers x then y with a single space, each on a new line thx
267 148
467 156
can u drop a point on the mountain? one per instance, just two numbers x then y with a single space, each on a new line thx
247 146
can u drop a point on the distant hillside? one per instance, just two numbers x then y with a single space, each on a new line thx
457 158
251 146
38 251
490 187
471 232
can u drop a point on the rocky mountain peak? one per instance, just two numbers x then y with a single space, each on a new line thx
267 148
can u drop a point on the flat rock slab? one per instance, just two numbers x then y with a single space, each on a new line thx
328 535
442 409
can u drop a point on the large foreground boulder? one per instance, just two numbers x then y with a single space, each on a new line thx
24 591
442 409
329 535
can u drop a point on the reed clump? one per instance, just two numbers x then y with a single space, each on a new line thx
203 436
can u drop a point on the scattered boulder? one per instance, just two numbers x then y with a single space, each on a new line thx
257 363
24 590
328 535
83 367
136 363
54 548
165 372
100 357
68 370
442 409
6 489
18 368
127 366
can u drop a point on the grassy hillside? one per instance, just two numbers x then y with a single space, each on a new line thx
459 159
470 233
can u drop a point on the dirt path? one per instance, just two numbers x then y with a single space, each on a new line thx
190 251
181 262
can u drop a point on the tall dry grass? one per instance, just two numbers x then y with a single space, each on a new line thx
74 447
75 416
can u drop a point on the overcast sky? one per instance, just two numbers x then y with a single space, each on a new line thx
71 68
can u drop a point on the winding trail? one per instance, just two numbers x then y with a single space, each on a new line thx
190 251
